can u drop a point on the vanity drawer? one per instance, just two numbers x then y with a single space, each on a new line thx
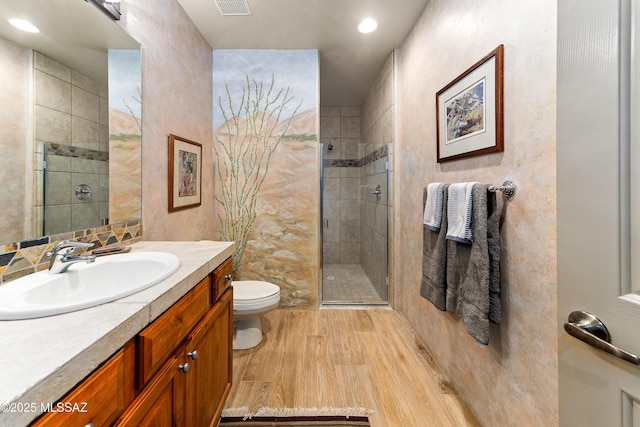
101 398
159 340
222 278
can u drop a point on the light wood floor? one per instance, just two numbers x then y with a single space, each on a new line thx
345 358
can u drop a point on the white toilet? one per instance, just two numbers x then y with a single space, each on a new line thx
251 298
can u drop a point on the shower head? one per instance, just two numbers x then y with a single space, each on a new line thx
330 147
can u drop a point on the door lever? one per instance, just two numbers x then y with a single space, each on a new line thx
588 328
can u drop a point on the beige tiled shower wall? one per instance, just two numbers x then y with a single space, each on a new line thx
70 109
355 222
340 128
67 169
377 211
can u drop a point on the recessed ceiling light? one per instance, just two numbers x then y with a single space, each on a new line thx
112 1
24 25
367 25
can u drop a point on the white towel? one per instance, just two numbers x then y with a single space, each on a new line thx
433 207
459 212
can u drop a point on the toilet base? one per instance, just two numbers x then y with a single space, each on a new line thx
247 332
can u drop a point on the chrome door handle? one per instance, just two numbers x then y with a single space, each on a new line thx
588 328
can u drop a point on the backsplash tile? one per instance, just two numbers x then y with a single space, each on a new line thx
29 256
33 242
5 259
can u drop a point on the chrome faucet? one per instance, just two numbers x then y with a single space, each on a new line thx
60 257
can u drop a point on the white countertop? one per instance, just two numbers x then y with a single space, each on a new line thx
42 359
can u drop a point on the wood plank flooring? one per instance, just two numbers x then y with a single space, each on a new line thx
345 358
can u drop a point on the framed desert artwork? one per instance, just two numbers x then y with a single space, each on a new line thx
185 173
469 111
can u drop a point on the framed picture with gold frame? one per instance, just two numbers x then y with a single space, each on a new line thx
469 110
185 173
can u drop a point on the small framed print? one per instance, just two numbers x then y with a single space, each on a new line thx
469 110
185 173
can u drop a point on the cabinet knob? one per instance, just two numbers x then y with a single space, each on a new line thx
228 277
193 355
90 425
184 368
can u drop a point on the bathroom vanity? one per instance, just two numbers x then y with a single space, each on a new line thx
161 356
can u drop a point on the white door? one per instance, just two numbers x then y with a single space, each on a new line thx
598 202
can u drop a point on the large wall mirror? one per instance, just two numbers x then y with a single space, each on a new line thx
70 128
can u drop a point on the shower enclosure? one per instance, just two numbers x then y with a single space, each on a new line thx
354 189
75 188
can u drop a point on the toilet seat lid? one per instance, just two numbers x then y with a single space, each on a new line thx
253 289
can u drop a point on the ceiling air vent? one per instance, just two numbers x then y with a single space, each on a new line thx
233 7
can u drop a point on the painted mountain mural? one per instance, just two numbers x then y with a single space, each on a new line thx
266 155
281 246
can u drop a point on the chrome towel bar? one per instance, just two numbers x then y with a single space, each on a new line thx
508 188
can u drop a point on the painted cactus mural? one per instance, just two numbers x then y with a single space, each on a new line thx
266 155
243 148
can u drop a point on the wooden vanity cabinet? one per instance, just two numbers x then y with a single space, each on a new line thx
175 372
161 403
160 339
196 380
101 398
209 354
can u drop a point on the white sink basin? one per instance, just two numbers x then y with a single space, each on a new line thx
84 285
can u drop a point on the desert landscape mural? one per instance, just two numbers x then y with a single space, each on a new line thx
266 157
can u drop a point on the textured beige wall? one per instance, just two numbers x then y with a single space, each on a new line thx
16 160
176 99
514 380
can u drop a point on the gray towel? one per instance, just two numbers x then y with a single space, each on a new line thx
473 271
434 258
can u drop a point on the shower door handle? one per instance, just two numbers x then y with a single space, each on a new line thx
326 223
588 328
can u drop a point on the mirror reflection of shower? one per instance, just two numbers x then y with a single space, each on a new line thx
354 185
69 175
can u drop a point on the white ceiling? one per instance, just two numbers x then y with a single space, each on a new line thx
73 32
349 60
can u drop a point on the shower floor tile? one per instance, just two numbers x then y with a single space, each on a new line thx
347 283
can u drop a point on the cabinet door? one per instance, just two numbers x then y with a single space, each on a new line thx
209 379
100 398
164 335
222 278
161 402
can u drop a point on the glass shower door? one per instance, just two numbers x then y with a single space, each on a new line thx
355 228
